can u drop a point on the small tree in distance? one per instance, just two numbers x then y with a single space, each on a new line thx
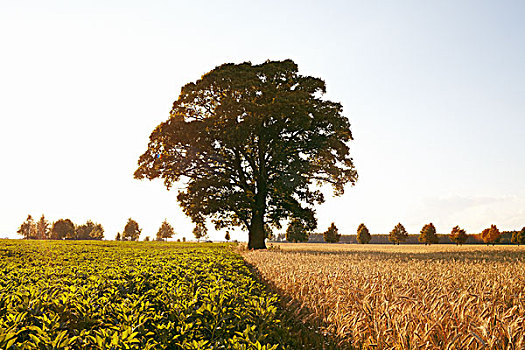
363 235
131 231
63 228
398 234
28 228
42 228
227 236
428 234
491 235
458 235
200 231
332 234
97 232
296 232
89 230
518 237
165 231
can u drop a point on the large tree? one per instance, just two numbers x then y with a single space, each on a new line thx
249 141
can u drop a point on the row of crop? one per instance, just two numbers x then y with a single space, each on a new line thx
101 295
377 297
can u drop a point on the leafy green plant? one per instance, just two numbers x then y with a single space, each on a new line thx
131 295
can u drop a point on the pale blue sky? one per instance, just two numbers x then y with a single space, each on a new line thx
434 91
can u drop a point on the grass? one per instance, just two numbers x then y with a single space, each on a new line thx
403 297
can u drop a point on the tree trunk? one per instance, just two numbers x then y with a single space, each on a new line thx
256 235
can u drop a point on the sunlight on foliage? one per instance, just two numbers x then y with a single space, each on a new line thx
132 295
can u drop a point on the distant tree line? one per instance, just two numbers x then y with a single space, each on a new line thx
60 229
296 232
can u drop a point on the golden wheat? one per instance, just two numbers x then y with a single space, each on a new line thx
404 297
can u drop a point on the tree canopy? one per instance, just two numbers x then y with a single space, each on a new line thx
200 231
28 228
518 237
249 142
131 231
42 228
63 228
331 235
458 235
297 232
398 234
491 235
165 231
89 230
428 234
363 235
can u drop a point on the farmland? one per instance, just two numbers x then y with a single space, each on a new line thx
131 295
403 297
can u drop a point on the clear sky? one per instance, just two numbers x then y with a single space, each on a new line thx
434 90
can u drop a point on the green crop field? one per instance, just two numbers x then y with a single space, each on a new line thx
130 295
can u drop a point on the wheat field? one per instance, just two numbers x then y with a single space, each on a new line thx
403 297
